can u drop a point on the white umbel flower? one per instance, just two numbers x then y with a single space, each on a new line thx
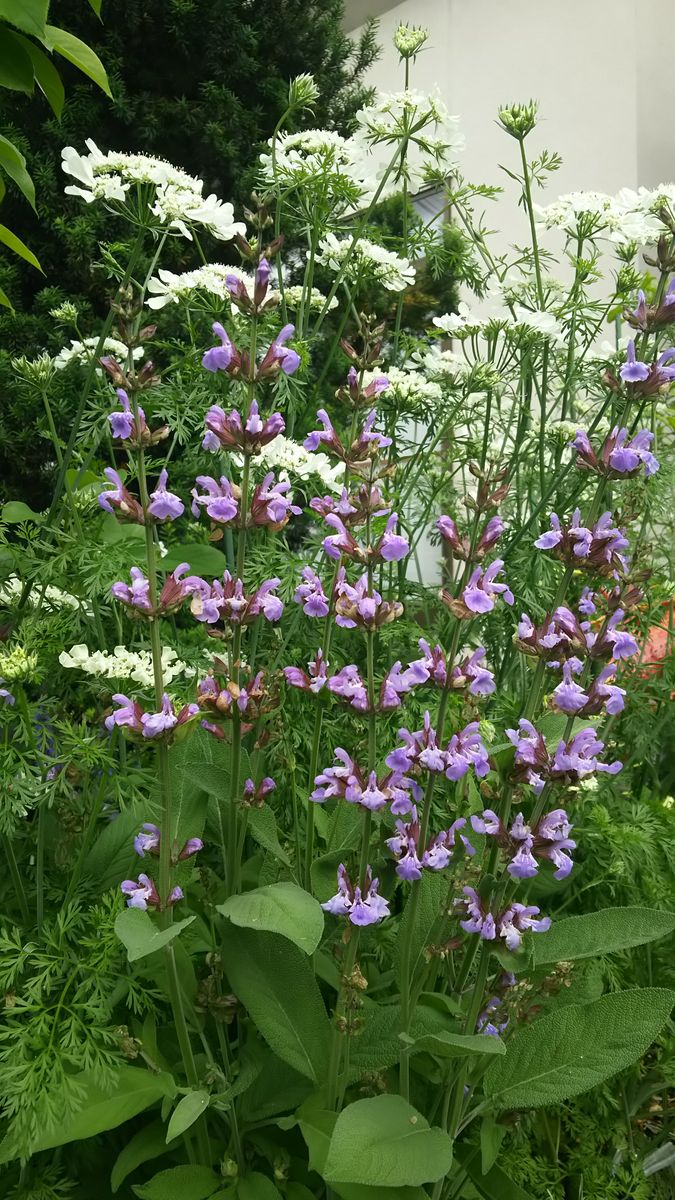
124 663
368 260
84 352
166 287
458 322
290 461
178 202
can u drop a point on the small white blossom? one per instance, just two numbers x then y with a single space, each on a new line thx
49 597
124 663
411 388
178 200
457 322
166 287
289 460
368 260
293 297
84 352
544 323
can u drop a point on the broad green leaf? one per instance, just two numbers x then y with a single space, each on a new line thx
79 54
275 1089
602 932
148 1143
180 1183
316 1125
134 1090
495 1184
255 1186
262 825
112 856
384 1142
27 15
13 164
454 1045
378 1045
279 908
17 247
433 891
188 1110
203 559
137 931
4 298
577 1047
491 1137
275 982
16 511
46 77
16 68
96 5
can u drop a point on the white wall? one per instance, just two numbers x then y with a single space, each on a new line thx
605 102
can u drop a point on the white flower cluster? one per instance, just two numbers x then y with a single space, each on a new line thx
630 216
124 663
457 323
51 597
84 352
178 197
538 321
293 297
411 388
442 366
368 260
433 137
289 460
166 287
311 153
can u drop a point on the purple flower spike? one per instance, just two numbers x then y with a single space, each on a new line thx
164 505
217 500
136 596
365 907
480 593
147 841
220 358
311 595
633 371
140 893
123 424
618 458
392 546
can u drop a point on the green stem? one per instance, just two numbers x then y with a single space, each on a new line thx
533 228
16 878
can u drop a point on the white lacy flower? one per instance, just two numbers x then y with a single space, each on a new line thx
442 365
166 287
367 259
312 154
432 147
49 597
457 322
289 460
412 388
544 323
124 663
178 201
567 211
84 352
293 297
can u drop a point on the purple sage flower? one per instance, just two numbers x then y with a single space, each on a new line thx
362 908
164 505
